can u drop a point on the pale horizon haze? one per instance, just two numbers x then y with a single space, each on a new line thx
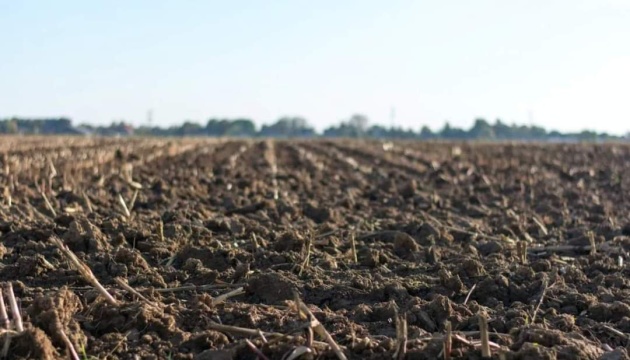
563 65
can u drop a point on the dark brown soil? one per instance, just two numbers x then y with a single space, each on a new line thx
534 237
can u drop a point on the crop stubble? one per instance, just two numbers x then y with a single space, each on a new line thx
254 248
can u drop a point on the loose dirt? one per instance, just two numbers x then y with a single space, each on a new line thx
226 238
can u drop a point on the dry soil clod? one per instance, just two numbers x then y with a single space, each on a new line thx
437 233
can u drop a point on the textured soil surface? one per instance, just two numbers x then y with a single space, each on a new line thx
223 241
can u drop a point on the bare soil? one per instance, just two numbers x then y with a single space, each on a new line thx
533 237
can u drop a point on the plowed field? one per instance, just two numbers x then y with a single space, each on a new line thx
296 249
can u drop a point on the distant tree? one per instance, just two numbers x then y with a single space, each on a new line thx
54 126
241 127
12 126
343 130
449 132
481 130
501 130
426 133
378 131
359 123
356 126
218 127
190 128
225 127
555 134
587 136
288 127
538 132
446 130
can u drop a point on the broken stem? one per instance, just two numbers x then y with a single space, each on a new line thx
222 298
448 341
319 329
161 230
306 261
123 205
256 350
401 336
87 201
123 284
469 293
7 325
485 338
4 317
540 301
15 310
354 247
83 269
73 352
196 287
240 330
132 202
48 204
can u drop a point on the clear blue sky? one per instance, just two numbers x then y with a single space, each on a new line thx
563 64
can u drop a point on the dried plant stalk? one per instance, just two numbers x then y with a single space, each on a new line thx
7 196
254 243
353 242
448 341
48 204
256 350
123 284
305 263
239 330
160 225
123 205
297 352
4 317
132 202
319 328
222 298
15 310
127 175
196 288
73 352
591 240
540 301
401 336
470 293
87 201
5 162
7 327
83 269
485 337
541 225
521 249
52 171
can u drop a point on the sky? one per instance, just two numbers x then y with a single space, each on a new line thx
561 64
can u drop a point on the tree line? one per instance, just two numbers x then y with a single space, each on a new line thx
356 126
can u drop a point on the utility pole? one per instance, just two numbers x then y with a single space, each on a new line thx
150 117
